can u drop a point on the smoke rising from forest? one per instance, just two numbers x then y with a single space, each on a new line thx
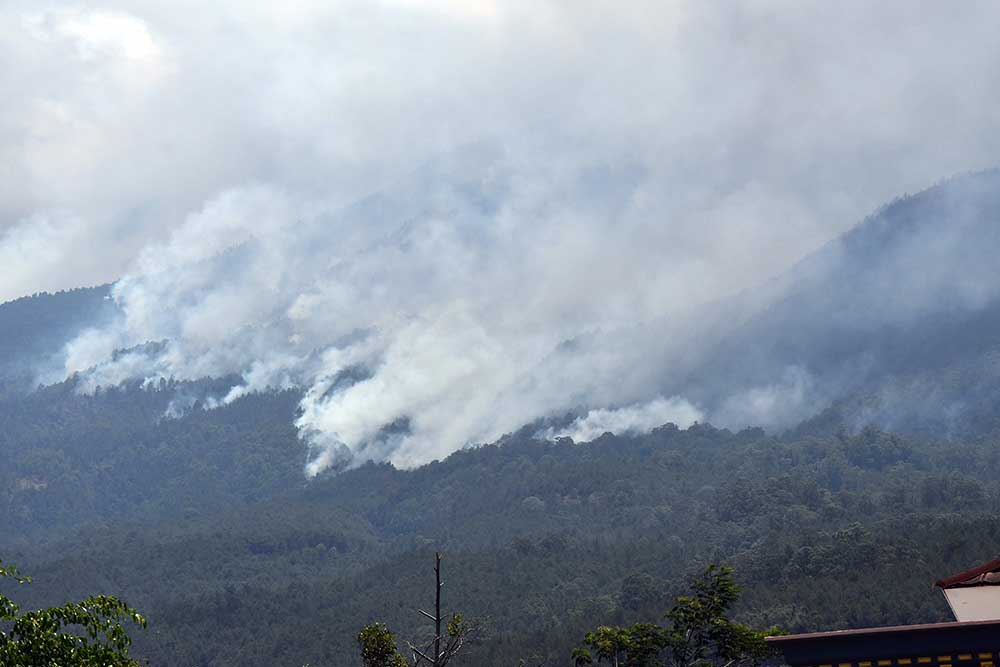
441 249
633 419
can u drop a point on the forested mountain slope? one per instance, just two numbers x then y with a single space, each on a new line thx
73 459
898 320
203 517
545 540
34 329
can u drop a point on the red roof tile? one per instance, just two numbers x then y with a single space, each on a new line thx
984 575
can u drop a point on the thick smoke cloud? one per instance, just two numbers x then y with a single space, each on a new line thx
633 419
447 219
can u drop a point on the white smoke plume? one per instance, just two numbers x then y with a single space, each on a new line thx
440 302
632 419
446 219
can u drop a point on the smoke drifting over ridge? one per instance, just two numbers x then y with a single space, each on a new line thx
440 247
459 309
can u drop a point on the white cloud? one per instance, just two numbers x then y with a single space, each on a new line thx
95 33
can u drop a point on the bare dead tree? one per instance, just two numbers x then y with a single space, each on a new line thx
439 651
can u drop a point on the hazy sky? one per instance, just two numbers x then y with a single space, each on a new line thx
771 124
629 160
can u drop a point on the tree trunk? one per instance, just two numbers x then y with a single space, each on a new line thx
437 608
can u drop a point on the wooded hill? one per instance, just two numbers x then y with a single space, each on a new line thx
204 521
206 527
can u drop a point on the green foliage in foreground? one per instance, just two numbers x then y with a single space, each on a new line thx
377 644
46 636
699 632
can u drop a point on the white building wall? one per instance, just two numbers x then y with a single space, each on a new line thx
974 603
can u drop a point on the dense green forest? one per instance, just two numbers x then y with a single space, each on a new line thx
206 526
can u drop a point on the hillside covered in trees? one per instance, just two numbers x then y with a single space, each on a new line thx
878 464
543 540
654 329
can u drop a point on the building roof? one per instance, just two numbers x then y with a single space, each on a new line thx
987 574
934 644
971 642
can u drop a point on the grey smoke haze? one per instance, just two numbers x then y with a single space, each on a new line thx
498 211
